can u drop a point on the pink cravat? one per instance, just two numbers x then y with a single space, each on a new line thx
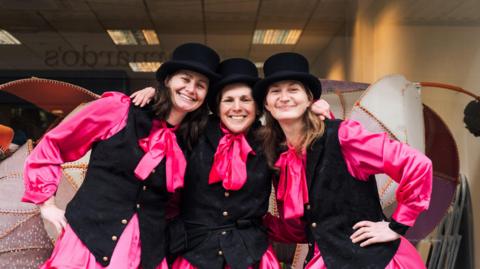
230 160
160 143
292 186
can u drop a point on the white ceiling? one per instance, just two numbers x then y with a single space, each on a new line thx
50 30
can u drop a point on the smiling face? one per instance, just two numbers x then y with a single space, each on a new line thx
287 101
187 90
236 108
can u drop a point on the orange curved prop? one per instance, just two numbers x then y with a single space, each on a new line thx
6 136
449 87
54 96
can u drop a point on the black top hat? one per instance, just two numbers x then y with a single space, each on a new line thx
286 66
235 70
191 56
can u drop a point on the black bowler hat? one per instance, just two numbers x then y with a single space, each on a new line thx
286 66
191 56
235 70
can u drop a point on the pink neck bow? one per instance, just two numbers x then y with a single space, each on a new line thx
229 163
292 186
160 143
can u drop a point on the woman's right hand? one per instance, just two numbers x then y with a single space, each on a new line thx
53 214
143 97
370 232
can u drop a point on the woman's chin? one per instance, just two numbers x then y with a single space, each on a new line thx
287 117
186 108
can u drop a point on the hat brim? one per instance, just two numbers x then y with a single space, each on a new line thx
171 67
310 81
217 87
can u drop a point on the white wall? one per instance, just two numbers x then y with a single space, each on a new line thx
379 43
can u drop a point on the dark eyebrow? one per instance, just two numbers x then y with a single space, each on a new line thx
274 85
191 76
294 83
185 74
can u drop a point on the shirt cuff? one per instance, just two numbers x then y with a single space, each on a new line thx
405 215
398 227
37 198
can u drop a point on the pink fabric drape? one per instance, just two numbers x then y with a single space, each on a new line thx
70 252
230 161
367 153
69 141
292 186
268 261
406 257
161 143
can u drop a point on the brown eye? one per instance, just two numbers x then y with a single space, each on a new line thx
201 86
246 99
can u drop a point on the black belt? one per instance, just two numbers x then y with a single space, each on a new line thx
184 236
239 224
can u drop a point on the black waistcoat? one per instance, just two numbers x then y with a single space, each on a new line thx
336 202
111 194
207 206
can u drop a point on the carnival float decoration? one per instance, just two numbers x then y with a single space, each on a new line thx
26 241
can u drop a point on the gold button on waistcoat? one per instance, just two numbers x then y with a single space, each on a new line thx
105 259
114 238
314 224
144 188
220 253
124 221
225 213
308 207
227 194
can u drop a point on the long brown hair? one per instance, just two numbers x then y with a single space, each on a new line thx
191 126
274 140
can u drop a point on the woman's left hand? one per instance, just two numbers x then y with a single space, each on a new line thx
322 109
369 232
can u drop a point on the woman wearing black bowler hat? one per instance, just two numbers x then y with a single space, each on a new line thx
117 217
326 173
227 182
